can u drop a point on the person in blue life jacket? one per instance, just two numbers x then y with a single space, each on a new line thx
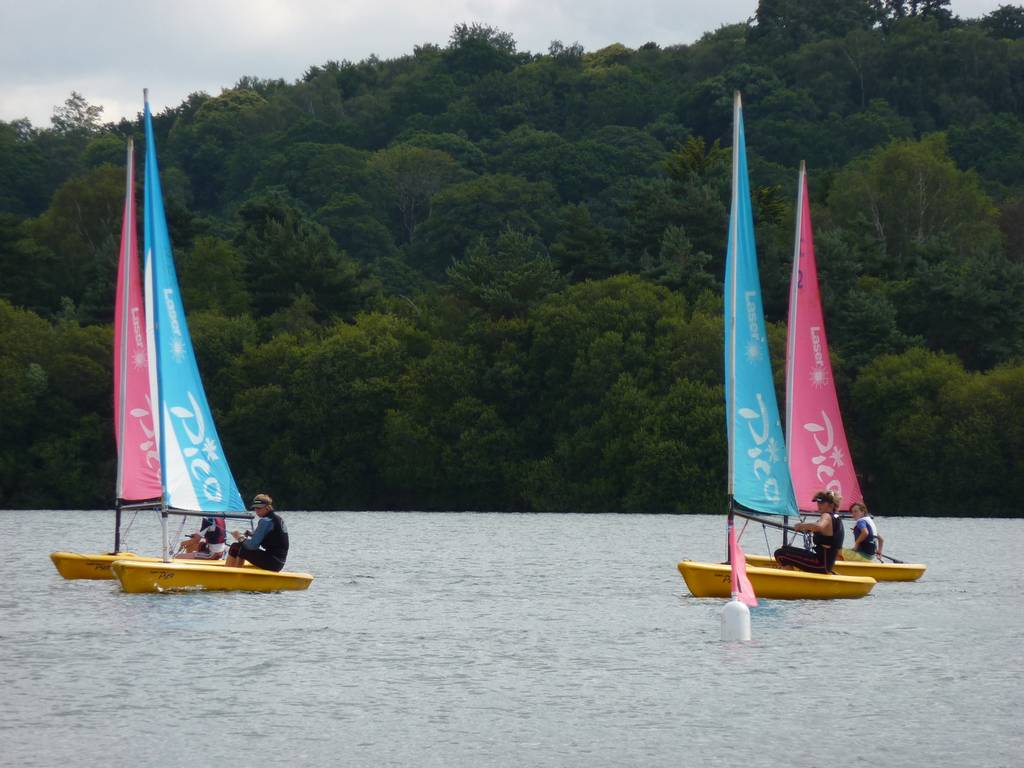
208 543
867 544
267 546
827 537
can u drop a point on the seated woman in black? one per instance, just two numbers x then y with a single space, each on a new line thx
828 539
267 547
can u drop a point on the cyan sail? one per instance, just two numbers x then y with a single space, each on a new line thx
195 472
758 472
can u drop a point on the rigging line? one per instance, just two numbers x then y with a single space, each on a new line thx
127 529
171 549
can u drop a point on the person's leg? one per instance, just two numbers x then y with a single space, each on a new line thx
262 559
235 559
801 558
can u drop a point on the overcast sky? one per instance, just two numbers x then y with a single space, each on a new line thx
109 50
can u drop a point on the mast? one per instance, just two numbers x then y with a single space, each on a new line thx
151 325
731 319
791 324
795 280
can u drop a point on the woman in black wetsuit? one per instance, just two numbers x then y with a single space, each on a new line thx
267 546
828 539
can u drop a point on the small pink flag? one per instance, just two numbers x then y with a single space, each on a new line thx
741 586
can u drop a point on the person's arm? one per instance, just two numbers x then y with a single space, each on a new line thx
861 536
878 548
823 526
262 529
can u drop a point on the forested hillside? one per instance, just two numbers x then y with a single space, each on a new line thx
480 278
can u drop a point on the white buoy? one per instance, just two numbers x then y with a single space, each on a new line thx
735 621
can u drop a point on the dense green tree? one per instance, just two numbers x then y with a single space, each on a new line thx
351 379
466 153
55 426
76 115
476 49
1011 222
615 357
507 280
898 430
993 146
909 194
23 182
409 178
939 440
1006 21
82 229
481 207
205 142
356 229
582 249
313 173
287 255
789 24
972 307
212 276
29 273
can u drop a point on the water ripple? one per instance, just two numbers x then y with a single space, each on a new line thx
494 640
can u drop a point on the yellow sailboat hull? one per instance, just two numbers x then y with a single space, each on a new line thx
877 571
713 580
73 565
137 576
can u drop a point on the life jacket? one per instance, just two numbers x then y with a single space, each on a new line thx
831 545
276 541
213 530
835 541
870 544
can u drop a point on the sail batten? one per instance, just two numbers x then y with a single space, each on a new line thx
195 471
818 452
758 472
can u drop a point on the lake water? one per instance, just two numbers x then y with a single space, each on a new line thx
469 640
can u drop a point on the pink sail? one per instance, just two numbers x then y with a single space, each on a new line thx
138 456
741 588
819 457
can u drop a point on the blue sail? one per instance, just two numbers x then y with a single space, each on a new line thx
758 472
195 472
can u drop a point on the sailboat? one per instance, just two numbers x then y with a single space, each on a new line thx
138 459
758 472
195 478
818 453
